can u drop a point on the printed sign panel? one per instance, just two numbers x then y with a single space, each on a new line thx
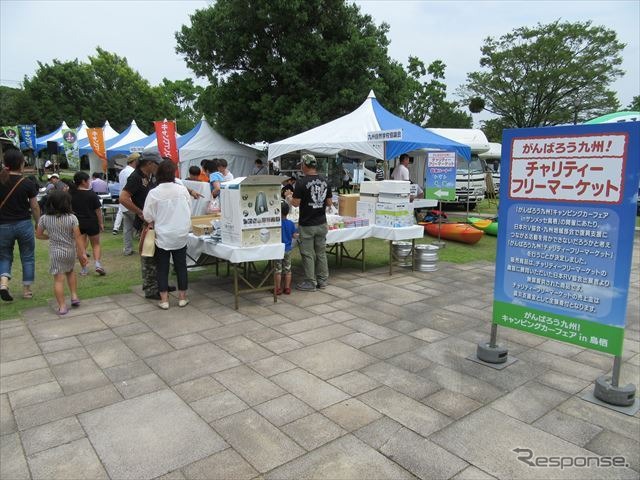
440 176
567 216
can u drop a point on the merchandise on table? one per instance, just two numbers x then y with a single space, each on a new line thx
337 222
366 210
203 224
347 204
394 215
251 211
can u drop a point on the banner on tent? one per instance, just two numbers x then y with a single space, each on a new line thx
12 134
28 134
71 150
381 135
441 176
96 140
166 135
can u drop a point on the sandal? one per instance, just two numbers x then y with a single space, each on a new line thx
5 295
27 295
62 310
75 302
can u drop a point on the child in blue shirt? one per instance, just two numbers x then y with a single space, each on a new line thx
284 266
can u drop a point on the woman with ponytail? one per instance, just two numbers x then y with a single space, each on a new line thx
18 203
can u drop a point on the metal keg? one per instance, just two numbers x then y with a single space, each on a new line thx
402 254
425 258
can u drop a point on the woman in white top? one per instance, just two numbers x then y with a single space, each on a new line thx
168 209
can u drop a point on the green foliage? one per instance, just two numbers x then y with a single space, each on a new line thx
8 105
180 98
493 129
280 67
476 105
634 106
549 74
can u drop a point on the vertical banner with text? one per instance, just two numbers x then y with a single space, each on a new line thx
96 140
167 144
28 134
70 147
12 133
440 178
567 217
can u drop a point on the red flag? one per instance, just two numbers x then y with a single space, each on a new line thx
96 140
166 135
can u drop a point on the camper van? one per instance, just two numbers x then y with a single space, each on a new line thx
492 159
470 177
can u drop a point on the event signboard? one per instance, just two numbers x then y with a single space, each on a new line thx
28 134
440 178
96 140
167 144
12 133
567 219
71 149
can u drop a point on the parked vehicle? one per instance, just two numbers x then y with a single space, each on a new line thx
492 159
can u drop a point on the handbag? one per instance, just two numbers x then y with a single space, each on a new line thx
147 246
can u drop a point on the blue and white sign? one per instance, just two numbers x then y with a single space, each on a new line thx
28 134
440 176
567 217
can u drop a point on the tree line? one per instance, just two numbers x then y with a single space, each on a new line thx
274 69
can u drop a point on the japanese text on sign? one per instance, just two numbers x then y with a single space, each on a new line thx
441 159
576 169
384 135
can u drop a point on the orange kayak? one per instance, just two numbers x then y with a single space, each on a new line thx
459 232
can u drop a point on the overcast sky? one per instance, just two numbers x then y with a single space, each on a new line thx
143 32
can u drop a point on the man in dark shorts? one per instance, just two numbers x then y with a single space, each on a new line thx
132 196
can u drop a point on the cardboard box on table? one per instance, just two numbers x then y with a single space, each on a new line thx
251 211
394 215
365 209
369 192
347 204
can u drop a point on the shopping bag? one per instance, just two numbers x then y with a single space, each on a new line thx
147 247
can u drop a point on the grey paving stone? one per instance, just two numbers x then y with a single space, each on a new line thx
35 394
284 409
111 353
134 387
131 329
450 352
354 383
14 348
560 364
309 388
223 465
96 337
165 323
567 427
429 334
351 414
232 330
13 465
510 378
405 382
421 457
410 361
189 363
393 346
467 385
45 412
263 335
467 438
329 359
199 388
127 371
23 365
57 345
371 329
472 473
25 379
322 308
117 317
7 422
281 345
260 443
272 366
452 404
611 444
147 344
559 348
72 460
65 356
188 340
404 326
322 334
218 406
562 382
403 409
78 376
529 402
594 359
249 385
377 433
244 349
302 325
313 431
358 340
175 475
60 328
51 435
346 457
341 316
137 438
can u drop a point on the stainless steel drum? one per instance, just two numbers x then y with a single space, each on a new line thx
402 254
425 258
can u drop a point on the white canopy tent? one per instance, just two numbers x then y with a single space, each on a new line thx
204 142
131 134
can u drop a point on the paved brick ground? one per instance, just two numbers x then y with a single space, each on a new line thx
366 379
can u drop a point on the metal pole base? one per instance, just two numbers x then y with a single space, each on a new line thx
489 354
615 395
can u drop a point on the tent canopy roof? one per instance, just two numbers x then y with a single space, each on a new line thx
349 132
